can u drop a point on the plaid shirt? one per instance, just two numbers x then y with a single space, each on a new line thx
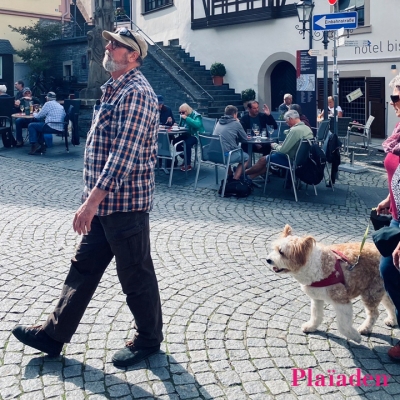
52 112
121 147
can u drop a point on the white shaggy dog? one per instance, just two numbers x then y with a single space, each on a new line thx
324 276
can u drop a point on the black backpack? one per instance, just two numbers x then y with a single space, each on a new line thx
311 171
7 137
235 188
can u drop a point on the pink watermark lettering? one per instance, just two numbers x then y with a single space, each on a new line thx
333 379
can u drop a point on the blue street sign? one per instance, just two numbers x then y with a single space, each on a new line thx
332 22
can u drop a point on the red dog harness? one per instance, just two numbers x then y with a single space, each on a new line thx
336 276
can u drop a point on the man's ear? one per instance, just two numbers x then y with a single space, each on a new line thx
133 56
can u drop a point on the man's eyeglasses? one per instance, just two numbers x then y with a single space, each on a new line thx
115 44
127 33
395 98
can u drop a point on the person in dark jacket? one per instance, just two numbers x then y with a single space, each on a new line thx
303 118
166 116
254 117
285 106
3 92
21 123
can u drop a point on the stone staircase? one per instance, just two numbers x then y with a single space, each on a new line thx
168 79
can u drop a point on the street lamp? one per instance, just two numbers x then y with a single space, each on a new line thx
304 10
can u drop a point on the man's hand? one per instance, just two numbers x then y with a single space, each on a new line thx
83 218
266 109
396 256
169 120
86 212
383 207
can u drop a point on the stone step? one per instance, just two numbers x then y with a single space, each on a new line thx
222 95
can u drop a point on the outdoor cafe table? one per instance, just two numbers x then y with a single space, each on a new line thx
253 141
21 115
24 116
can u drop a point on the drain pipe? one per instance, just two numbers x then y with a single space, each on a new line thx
65 13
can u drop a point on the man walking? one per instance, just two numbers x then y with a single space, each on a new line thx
119 163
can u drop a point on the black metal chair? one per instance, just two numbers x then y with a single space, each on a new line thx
6 125
302 153
322 131
212 153
63 131
209 125
168 151
74 118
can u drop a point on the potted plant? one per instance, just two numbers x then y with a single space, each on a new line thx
248 95
218 71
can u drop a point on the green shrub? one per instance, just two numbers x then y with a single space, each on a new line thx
218 69
248 95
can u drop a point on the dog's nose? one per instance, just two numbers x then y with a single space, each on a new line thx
269 261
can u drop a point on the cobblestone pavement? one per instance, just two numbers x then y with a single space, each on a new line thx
231 326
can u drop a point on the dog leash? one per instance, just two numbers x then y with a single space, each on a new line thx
351 266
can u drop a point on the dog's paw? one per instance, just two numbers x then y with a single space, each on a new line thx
364 329
354 336
308 327
390 322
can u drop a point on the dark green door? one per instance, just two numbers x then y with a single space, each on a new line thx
283 80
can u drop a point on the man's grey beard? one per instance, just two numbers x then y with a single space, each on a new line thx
112 66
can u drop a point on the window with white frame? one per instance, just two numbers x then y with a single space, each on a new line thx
150 5
355 5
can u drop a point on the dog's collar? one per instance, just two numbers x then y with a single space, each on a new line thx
336 276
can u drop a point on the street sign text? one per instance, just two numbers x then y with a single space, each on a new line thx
332 22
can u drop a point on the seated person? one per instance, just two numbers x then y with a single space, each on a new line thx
303 118
3 92
260 119
297 132
231 132
21 123
331 109
53 114
3 95
192 121
285 106
166 116
19 86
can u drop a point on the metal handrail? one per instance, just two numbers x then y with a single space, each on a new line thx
171 59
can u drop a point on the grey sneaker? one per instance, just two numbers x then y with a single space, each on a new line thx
131 355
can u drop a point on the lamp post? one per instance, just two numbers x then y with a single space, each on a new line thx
304 10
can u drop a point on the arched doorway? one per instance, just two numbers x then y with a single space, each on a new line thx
283 80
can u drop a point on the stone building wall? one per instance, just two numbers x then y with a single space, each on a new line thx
74 50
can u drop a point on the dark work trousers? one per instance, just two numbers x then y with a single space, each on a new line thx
125 235
391 277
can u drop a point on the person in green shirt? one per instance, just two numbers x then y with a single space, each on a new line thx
192 121
297 132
